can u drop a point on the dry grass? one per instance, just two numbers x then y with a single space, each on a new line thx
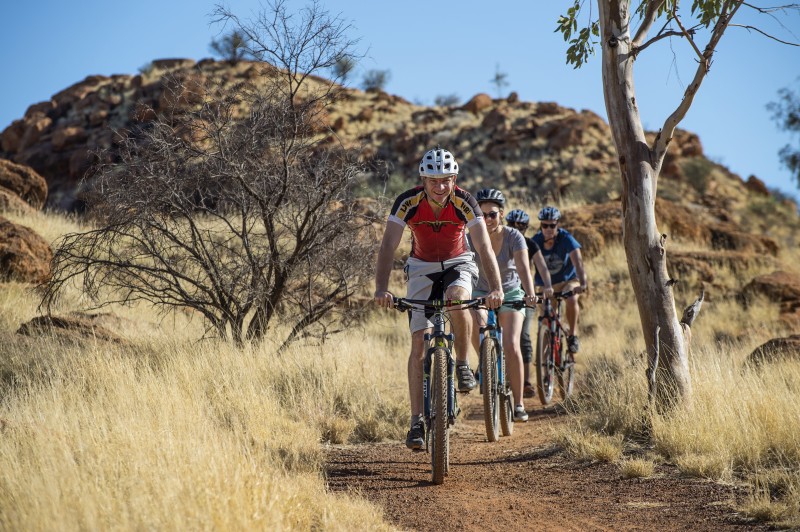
742 424
170 433
637 468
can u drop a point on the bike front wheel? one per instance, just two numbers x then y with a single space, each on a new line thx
544 364
489 388
506 400
439 430
566 374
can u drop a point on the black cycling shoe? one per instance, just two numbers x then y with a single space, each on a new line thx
466 379
415 439
573 344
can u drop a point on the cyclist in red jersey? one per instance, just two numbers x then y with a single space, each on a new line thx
441 264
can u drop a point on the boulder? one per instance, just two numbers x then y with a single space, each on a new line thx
10 202
478 103
70 328
754 184
24 255
775 350
24 182
780 286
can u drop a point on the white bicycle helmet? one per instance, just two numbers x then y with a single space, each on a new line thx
438 163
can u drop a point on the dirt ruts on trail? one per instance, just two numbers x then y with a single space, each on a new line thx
526 482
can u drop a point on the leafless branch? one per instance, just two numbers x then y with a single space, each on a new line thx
703 60
729 9
765 34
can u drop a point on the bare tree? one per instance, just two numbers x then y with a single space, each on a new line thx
232 202
500 80
640 161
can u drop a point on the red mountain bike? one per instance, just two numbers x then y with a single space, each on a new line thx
553 359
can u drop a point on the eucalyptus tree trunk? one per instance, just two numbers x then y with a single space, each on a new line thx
644 244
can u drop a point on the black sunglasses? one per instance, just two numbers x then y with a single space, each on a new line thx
518 225
549 226
491 215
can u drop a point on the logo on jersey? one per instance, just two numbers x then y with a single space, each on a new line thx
436 225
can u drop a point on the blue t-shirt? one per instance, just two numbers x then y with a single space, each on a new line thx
557 259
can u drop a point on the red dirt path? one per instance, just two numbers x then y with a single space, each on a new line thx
525 482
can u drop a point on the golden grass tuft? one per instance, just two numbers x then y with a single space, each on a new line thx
587 445
637 468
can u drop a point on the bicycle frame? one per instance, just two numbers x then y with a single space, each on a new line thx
438 338
551 318
495 331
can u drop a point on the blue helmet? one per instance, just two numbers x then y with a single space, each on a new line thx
518 216
550 213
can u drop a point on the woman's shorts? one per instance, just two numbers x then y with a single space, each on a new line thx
515 294
430 280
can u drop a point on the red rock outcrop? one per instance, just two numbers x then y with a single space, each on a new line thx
24 255
24 182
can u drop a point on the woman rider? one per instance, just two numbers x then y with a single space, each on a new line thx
511 251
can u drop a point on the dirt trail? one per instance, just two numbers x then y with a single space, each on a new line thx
525 482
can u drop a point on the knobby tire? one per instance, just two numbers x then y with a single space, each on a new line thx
490 389
566 377
506 402
544 364
439 419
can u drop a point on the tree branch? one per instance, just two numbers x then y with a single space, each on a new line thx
665 135
649 18
765 34
703 60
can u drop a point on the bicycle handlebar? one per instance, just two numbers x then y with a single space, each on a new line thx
403 304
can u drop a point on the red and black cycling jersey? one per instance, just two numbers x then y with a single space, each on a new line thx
436 239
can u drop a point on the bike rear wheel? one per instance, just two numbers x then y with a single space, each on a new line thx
506 400
489 389
439 430
544 364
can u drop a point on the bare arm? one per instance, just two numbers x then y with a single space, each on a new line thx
577 260
524 272
544 273
483 245
391 240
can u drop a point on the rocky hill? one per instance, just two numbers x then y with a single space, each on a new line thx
534 151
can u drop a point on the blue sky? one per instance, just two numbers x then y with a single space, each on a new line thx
430 47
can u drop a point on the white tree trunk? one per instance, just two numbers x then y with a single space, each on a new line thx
644 246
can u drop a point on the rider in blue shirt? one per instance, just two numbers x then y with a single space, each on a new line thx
562 254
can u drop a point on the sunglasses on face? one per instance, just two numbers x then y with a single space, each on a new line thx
549 226
491 214
518 225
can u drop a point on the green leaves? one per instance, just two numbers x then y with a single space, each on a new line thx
707 11
582 45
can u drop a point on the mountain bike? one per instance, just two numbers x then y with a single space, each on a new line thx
440 407
498 401
553 360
